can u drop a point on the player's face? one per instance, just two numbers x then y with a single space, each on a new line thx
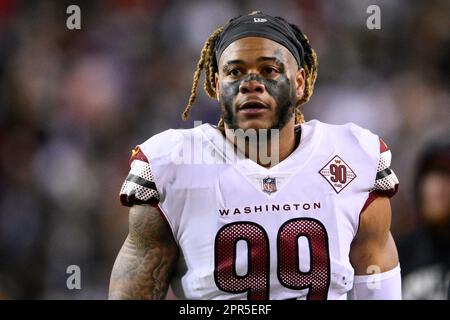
258 84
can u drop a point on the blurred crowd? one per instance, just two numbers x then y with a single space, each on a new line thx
73 103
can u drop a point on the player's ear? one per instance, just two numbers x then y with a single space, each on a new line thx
300 83
217 85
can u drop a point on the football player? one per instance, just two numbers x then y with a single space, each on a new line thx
213 219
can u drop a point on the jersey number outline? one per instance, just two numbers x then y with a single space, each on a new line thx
256 282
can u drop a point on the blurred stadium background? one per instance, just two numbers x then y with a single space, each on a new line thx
73 103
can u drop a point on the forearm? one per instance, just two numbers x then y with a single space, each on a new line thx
374 256
140 273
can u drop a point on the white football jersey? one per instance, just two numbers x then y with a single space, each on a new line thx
249 232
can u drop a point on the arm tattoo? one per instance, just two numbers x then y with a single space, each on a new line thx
144 265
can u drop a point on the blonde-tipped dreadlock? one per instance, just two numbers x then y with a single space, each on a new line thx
310 65
207 62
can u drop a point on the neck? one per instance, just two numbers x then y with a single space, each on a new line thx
256 145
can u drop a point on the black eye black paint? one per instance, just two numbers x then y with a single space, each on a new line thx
280 89
284 95
228 92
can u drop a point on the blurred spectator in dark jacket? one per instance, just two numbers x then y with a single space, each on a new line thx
425 253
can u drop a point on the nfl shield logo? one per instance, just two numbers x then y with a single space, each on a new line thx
269 185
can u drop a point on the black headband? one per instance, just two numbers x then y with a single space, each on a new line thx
260 25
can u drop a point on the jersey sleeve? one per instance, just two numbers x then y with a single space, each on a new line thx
386 182
139 186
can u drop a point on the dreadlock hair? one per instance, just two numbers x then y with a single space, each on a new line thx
208 62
